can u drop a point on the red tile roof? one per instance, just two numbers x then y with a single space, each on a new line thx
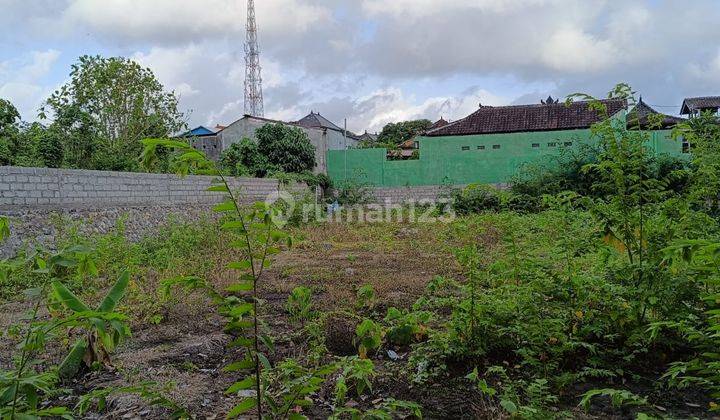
518 118
439 123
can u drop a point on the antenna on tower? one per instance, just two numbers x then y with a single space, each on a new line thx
253 80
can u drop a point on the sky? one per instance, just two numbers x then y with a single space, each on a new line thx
370 62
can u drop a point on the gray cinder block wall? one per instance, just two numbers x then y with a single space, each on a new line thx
34 197
401 195
47 187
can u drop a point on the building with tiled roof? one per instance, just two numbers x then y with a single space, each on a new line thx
438 124
693 106
528 118
323 134
644 116
494 142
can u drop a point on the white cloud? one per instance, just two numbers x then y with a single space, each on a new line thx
706 72
208 80
390 105
22 80
571 50
173 21
344 57
418 8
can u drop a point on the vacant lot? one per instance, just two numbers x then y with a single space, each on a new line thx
537 323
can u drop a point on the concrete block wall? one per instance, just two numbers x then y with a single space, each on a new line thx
39 201
64 188
400 195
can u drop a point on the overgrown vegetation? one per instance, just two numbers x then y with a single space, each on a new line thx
599 295
393 134
279 148
94 121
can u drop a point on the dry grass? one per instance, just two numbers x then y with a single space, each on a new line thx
335 259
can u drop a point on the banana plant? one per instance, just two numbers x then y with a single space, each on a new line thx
25 388
104 329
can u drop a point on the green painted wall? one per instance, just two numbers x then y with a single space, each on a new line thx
488 158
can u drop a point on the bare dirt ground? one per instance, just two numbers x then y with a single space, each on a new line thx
187 351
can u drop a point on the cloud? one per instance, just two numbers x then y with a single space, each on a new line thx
706 74
372 111
22 80
571 50
210 81
373 61
179 21
413 9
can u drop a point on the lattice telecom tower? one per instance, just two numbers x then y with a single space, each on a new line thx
253 80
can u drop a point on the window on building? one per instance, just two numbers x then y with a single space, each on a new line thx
481 147
552 144
466 147
496 146
685 146
535 145
568 143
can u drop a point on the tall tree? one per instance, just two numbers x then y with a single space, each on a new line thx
107 107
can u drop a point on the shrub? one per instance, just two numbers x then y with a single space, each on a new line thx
522 203
351 193
299 304
50 149
368 337
287 148
244 159
406 327
476 198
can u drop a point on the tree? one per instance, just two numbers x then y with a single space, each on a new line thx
106 108
287 147
396 133
50 148
9 115
244 158
702 135
17 140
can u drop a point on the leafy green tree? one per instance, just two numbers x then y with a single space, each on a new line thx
288 148
80 138
396 133
702 135
9 115
106 108
8 118
244 158
50 148
25 145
